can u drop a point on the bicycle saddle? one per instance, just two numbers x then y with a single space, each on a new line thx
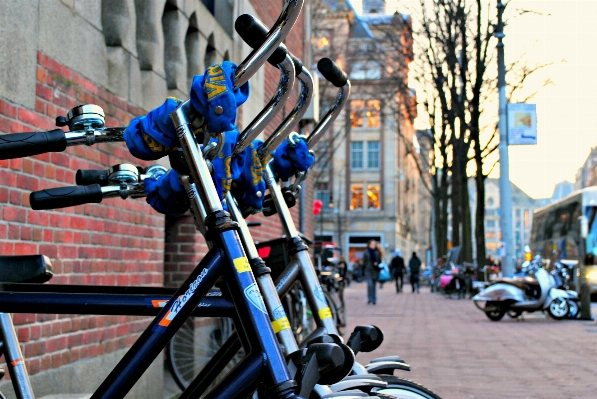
25 269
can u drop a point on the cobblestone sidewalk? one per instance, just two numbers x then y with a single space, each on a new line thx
456 351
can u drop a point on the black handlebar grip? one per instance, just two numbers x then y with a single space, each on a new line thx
298 65
62 197
18 145
253 32
332 72
87 177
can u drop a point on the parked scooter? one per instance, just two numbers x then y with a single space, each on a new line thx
527 294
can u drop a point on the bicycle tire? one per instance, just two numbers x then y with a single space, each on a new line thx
185 357
334 310
403 388
298 313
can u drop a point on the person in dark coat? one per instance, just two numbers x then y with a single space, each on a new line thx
414 264
398 268
371 260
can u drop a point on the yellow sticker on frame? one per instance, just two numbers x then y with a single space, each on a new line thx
242 265
281 324
325 313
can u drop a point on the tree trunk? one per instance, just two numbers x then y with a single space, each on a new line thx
467 242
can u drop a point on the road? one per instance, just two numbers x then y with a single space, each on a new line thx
457 352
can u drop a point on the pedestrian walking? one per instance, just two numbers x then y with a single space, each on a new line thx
382 256
350 272
371 261
414 264
343 270
398 268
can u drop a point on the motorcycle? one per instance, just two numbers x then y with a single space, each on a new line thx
536 292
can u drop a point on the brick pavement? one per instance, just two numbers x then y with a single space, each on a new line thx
456 351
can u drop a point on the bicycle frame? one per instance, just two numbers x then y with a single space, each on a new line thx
300 268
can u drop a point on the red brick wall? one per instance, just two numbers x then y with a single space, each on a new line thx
113 243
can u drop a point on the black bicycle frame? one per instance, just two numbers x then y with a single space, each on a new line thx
102 300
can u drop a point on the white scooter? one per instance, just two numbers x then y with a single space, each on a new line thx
526 294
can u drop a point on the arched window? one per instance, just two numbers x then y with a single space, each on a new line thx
175 65
191 43
116 21
210 52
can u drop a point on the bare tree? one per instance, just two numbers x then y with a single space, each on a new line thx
455 45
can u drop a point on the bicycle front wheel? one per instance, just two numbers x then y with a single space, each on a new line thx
405 389
193 346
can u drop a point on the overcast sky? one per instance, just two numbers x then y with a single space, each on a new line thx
567 31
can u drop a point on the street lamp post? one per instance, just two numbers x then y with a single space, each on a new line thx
505 188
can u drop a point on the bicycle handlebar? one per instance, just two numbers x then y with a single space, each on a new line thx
274 37
62 197
335 75
17 145
332 72
87 177
253 32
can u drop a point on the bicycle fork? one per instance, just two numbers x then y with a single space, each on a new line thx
14 358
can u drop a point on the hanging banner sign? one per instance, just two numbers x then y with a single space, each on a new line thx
522 124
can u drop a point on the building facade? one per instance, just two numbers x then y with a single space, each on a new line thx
126 56
367 178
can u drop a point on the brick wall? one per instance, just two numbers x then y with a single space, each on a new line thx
113 243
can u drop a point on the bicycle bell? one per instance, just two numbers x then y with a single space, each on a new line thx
155 171
83 117
123 173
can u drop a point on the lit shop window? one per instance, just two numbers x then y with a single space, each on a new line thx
358 196
356 200
373 197
322 39
365 113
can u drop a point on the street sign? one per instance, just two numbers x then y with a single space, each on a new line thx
522 124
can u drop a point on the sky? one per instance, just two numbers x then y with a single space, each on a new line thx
562 32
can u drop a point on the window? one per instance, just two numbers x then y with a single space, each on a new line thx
359 159
373 155
322 193
356 197
322 39
362 70
526 219
356 155
372 195
365 113
490 224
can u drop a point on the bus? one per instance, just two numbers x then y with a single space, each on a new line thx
556 232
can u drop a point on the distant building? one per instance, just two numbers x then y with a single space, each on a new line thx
522 217
374 7
586 175
561 190
366 174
